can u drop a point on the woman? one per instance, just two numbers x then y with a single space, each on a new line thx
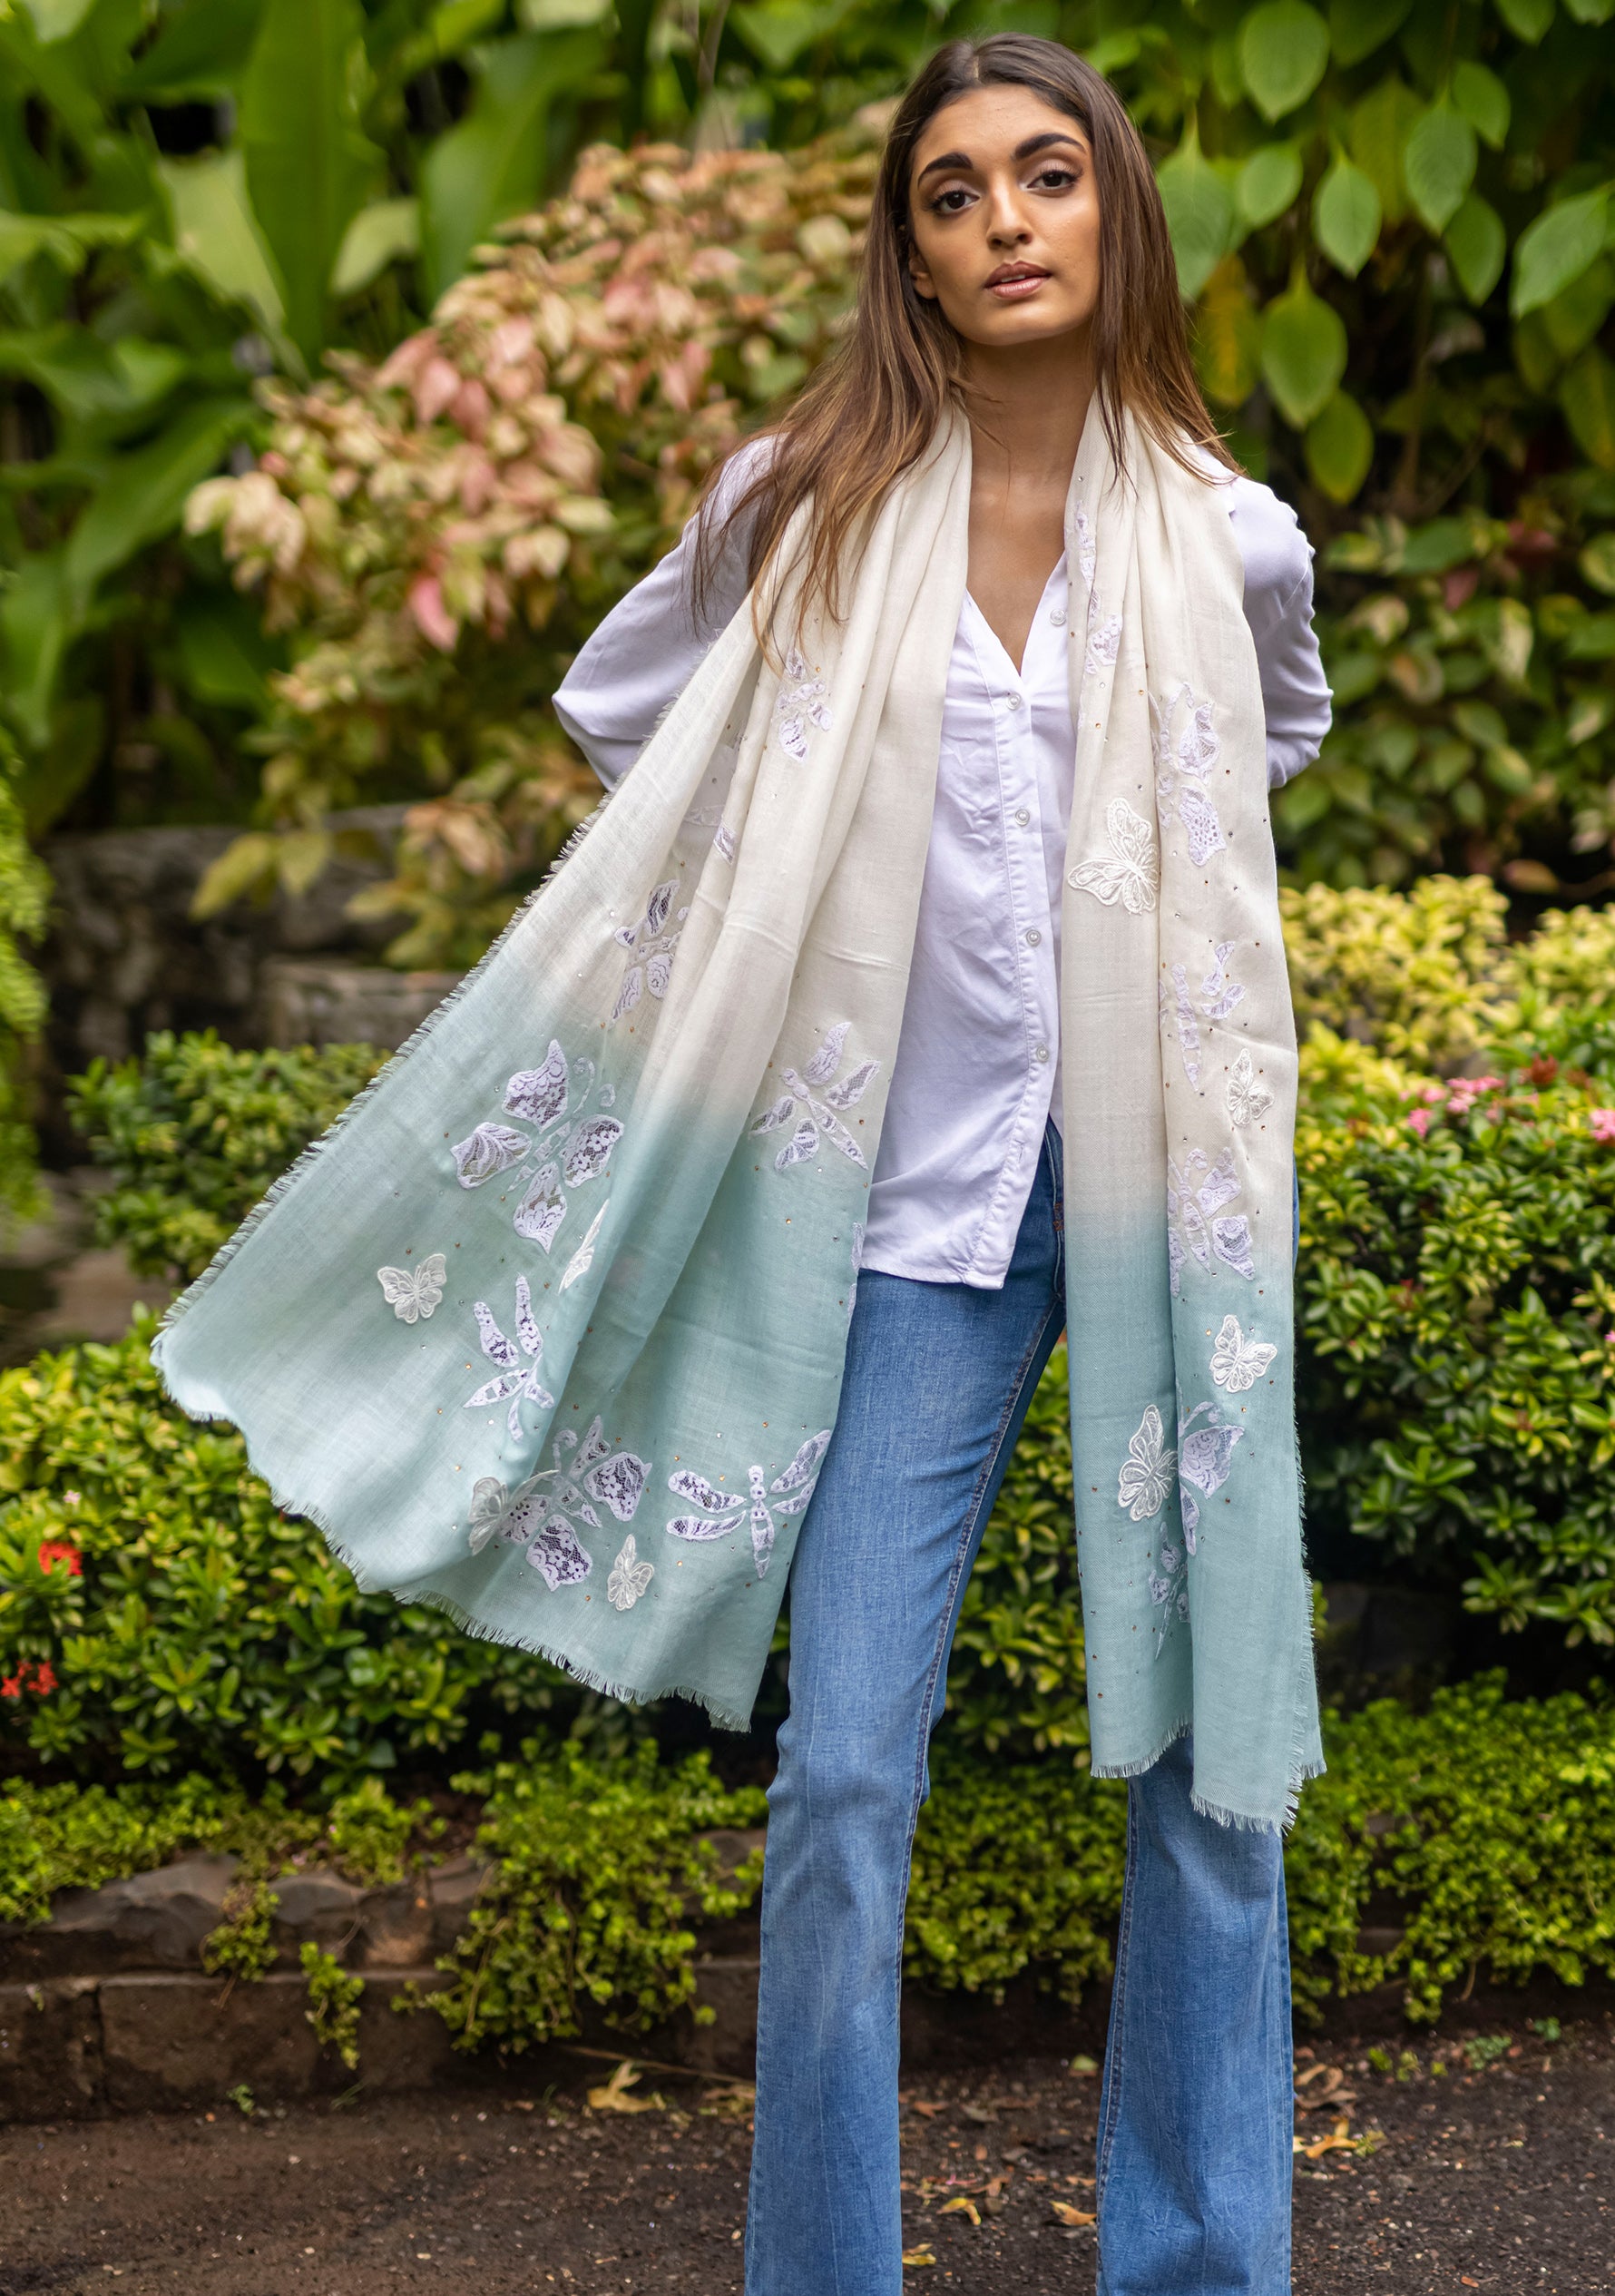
1013 185
900 857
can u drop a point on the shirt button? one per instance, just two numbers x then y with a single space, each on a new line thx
1016 700
1040 1052
1022 817
1032 936
1057 616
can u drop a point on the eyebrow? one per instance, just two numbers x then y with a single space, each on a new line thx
1033 144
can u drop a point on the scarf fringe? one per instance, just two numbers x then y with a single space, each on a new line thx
1237 1820
482 1629
416 1037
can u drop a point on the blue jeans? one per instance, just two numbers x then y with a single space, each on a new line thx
1195 2119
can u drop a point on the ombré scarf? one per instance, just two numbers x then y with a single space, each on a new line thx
548 1331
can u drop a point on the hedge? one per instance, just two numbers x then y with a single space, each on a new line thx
1484 1826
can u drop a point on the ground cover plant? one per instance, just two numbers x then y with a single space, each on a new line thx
1478 1836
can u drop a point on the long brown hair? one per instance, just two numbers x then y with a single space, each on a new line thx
873 408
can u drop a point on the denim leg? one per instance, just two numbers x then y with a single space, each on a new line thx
938 1378
1197 2113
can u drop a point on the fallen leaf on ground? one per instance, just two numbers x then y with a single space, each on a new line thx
1086 2066
1339 2140
961 2207
926 2106
614 2097
912 2256
1069 2215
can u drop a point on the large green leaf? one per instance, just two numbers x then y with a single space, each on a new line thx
56 20
1586 395
1268 183
201 53
1528 19
1340 447
1438 165
67 240
308 162
1346 216
216 233
1556 248
493 164
379 234
1199 211
1376 132
778 31
1578 311
1284 50
1484 101
37 623
1303 352
1228 336
1356 27
90 381
146 489
1477 243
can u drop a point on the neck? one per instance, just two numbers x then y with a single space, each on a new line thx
1027 405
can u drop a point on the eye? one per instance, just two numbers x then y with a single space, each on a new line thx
1055 177
952 202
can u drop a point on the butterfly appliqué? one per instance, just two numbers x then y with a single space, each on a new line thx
804 704
1184 761
586 1474
650 946
723 1511
1131 874
1196 1226
1146 1475
817 1104
1237 1362
1248 1100
515 1381
570 1146
629 1576
412 1293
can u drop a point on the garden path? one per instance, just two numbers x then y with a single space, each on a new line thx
1496 2175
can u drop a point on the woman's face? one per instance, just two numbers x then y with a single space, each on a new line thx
1005 219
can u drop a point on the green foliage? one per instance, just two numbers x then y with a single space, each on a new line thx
334 1997
1017 1866
1490 1822
69 1836
158 1613
243 1945
597 1876
25 891
196 1133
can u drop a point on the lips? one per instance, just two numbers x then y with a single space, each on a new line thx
1010 281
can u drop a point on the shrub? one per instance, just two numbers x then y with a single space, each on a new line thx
158 1613
597 1875
194 1133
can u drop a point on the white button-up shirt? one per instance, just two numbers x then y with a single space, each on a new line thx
977 1073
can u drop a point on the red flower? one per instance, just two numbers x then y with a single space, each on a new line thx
12 1687
60 1550
45 1678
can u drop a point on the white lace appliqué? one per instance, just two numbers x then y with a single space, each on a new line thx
516 1382
582 1259
1105 631
1180 1014
1237 1362
1187 747
816 1104
542 1520
804 705
723 1511
1131 872
652 946
412 1293
569 1147
1146 1475
1248 1100
1197 1227
629 1576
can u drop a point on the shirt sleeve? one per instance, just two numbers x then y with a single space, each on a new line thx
1278 609
643 654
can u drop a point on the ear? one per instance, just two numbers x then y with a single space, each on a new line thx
924 284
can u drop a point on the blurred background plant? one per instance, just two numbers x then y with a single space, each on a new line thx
1394 221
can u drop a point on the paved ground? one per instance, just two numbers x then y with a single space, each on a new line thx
1492 2175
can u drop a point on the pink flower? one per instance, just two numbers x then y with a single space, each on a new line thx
1602 1121
433 618
1419 1121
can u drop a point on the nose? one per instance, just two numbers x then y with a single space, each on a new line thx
1006 226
